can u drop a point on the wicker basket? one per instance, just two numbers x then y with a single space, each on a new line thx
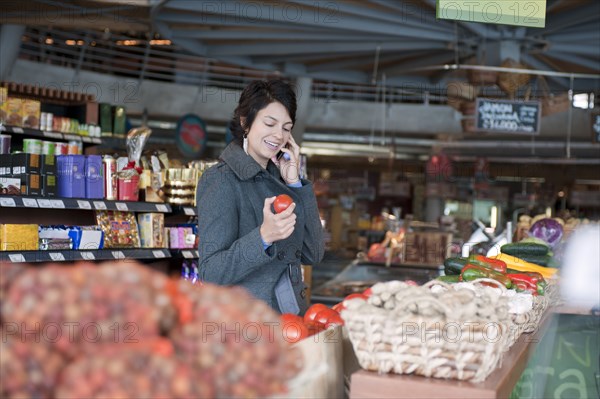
411 330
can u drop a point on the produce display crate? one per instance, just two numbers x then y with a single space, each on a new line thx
405 329
323 373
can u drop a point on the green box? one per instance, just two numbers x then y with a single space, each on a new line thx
106 119
119 125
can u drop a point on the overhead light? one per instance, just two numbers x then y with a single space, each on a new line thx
70 42
128 42
49 40
160 42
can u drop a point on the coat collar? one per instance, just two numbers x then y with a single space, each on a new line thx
243 165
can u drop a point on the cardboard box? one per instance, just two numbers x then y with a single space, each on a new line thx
48 165
31 183
12 109
10 185
151 227
19 237
30 113
48 185
25 163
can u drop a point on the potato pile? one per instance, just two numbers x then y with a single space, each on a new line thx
120 329
231 334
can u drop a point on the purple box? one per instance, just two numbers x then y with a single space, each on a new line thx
94 183
71 179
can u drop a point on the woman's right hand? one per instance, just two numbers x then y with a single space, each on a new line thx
277 226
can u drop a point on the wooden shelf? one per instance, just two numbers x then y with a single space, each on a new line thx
499 384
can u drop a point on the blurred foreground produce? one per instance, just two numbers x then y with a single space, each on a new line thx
121 330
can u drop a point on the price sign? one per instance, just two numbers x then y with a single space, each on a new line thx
44 203
162 208
17 130
189 211
531 13
88 255
57 204
57 256
16 258
30 202
7 202
53 135
187 254
83 204
502 116
158 254
100 205
118 255
122 207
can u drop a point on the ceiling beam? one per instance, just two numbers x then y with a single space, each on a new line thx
576 48
270 35
542 66
583 35
575 59
432 59
274 13
578 16
270 48
424 15
362 60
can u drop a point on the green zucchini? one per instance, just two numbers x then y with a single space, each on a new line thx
453 266
520 249
538 260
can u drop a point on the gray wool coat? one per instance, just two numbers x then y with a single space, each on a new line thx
230 200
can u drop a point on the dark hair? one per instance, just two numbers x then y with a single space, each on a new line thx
256 96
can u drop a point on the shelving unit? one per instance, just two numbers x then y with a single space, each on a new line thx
17 201
27 132
184 253
89 255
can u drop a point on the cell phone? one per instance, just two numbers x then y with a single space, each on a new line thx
283 154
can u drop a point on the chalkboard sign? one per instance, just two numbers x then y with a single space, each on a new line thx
501 116
596 127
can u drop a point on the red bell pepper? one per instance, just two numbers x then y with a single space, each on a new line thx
494 264
526 282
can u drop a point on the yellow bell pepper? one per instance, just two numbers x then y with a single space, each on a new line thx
512 262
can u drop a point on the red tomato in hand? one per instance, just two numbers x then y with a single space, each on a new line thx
312 312
293 328
368 292
282 202
325 315
314 327
334 320
338 307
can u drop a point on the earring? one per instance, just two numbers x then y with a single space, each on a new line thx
245 144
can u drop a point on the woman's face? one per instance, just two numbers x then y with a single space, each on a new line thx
269 132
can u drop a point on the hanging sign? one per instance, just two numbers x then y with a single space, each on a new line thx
190 136
502 116
530 13
596 127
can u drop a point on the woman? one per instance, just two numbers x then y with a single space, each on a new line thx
242 241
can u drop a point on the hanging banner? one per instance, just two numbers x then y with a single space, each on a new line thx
190 136
530 13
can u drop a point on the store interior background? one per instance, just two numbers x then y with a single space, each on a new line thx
383 93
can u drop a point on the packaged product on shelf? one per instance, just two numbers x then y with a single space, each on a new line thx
94 182
3 95
30 112
120 229
31 183
5 143
109 169
5 164
25 163
19 237
79 237
55 244
70 173
48 148
129 177
10 185
12 108
61 148
48 165
106 119
151 227
119 122
74 147
48 185
32 146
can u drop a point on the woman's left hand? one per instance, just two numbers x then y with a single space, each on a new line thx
289 169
